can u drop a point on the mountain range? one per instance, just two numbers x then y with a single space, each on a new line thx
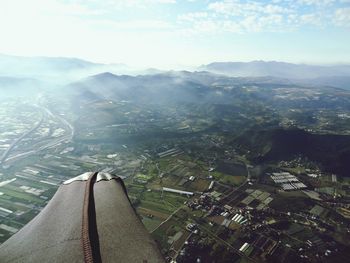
303 74
276 69
73 68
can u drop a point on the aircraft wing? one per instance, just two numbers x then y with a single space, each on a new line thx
89 219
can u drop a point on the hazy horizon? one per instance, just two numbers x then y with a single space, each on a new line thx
176 67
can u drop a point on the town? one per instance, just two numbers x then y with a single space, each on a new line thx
197 193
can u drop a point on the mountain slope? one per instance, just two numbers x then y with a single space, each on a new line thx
332 151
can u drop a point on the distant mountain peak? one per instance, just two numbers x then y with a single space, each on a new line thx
260 68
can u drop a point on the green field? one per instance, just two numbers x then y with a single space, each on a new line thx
167 203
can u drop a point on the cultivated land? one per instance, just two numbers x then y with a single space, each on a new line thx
246 172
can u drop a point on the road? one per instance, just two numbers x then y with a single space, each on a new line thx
249 177
226 197
18 140
62 120
54 142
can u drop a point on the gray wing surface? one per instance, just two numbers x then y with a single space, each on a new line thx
56 234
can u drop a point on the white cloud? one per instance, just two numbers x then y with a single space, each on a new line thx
132 3
237 17
235 8
275 9
311 19
316 2
50 7
342 17
138 25
193 16
268 16
262 23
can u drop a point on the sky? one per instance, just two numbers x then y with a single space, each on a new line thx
178 33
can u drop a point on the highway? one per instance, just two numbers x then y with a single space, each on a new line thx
18 140
53 142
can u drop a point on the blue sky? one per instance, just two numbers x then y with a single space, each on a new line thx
178 33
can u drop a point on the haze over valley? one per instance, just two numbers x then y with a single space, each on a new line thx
228 121
222 133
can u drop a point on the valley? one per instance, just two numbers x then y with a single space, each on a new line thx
253 169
